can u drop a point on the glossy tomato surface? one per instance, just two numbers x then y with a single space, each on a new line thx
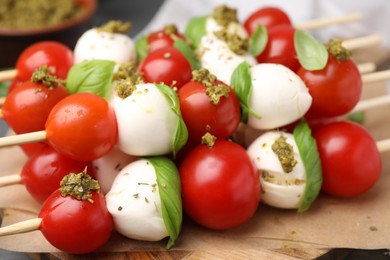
57 56
280 48
268 16
27 107
351 163
82 126
220 186
201 116
160 39
166 65
335 90
75 226
43 172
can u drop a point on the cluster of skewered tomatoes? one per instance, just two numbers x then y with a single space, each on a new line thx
131 135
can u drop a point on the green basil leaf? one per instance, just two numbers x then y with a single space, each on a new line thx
93 76
241 82
196 29
258 40
307 147
312 55
4 88
141 46
181 136
169 187
357 117
188 52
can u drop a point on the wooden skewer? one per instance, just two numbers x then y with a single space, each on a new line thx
7 75
10 180
366 67
361 42
383 145
21 227
323 22
376 76
371 103
23 138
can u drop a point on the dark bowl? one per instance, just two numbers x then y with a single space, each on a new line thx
14 41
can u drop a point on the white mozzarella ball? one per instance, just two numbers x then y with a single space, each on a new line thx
279 96
146 123
96 45
134 203
233 28
107 167
279 189
216 56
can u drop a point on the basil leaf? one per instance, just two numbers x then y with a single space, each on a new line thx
307 147
169 188
195 30
357 117
188 52
141 46
258 40
93 76
241 82
312 55
181 129
4 88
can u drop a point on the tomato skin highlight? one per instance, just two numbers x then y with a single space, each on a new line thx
43 172
338 84
166 65
75 226
55 55
201 116
27 107
220 186
351 163
268 16
82 126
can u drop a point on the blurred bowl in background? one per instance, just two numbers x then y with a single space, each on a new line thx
14 41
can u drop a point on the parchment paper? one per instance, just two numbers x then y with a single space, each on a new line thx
362 222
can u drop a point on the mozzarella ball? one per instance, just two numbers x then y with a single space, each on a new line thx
146 122
96 45
279 188
233 28
216 56
279 96
107 167
134 203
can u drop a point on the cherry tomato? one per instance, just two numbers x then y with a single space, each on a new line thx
163 38
266 16
280 48
201 116
335 90
43 172
75 226
57 56
351 163
82 126
14 84
220 187
32 148
166 65
27 107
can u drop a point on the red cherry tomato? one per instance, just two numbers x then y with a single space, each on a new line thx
351 163
43 172
14 84
280 48
266 16
75 226
335 90
27 107
160 39
82 126
168 66
57 56
220 187
32 148
202 116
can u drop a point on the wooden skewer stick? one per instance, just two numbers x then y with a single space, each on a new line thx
376 76
23 138
7 75
323 22
383 145
371 103
367 67
361 42
10 180
21 227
